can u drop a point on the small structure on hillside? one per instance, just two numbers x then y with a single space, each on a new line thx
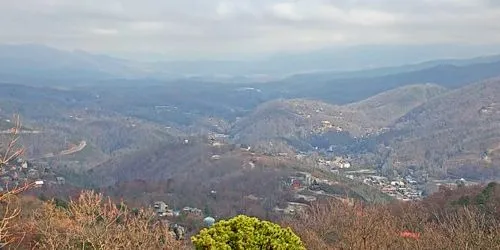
192 210
60 180
305 177
213 194
245 147
160 208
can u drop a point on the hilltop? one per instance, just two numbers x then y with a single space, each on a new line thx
387 107
302 119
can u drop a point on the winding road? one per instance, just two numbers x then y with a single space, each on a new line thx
72 150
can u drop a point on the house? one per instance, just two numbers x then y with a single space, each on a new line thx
215 157
388 189
160 208
192 210
345 164
39 183
60 180
300 156
217 144
397 183
305 177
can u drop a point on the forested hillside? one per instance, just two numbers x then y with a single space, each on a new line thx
458 129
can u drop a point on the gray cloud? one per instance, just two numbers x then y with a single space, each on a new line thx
198 28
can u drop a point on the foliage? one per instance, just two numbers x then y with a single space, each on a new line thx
9 212
449 219
92 222
243 232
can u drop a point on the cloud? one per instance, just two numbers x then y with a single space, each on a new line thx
287 11
105 32
147 26
199 27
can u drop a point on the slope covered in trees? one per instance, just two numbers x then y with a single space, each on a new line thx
458 129
301 118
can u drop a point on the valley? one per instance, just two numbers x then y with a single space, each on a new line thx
246 124
376 138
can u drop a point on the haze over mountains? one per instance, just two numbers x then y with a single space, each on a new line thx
32 61
154 127
357 124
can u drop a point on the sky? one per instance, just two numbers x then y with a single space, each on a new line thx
204 28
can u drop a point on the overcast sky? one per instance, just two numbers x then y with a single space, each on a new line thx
218 27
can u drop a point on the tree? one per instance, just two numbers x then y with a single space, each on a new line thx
94 222
243 232
10 152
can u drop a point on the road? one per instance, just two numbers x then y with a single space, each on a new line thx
72 150
9 131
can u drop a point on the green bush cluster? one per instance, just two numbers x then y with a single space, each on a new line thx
243 232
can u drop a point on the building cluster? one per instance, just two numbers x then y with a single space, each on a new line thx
405 189
166 215
299 180
334 164
453 183
327 125
304 187
20 172
162 210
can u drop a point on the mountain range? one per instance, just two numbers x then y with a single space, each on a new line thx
146 130
42 64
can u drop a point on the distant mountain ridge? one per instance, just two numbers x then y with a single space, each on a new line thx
32 62
341 91
384 71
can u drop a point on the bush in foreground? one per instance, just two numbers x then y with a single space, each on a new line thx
243 232
92 222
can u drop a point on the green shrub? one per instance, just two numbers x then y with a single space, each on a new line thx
243 232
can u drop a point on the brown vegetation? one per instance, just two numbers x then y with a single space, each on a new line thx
89 222
8 211
432 224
